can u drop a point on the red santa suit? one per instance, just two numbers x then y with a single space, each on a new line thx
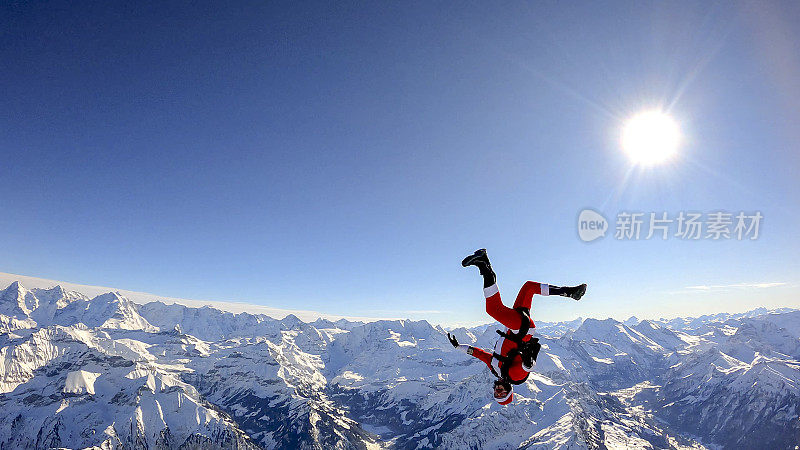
512 319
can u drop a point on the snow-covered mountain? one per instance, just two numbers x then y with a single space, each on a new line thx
104 372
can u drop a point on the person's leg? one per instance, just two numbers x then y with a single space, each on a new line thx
494 305
527 291
531 288
500 312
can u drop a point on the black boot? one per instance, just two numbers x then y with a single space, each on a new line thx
480 260
574 292
578 291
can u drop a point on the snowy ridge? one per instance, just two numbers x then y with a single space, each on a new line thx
79 372
142 298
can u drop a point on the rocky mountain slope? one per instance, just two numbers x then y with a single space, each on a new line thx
104 372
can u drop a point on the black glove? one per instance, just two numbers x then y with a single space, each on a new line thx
453 340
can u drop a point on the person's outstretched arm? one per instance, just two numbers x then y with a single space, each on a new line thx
472 351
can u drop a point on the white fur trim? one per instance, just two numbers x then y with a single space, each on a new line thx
496 364
490 291
545 288
498 345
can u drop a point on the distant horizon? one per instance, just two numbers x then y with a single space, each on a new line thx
234 307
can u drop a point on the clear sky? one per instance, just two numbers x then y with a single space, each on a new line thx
344 157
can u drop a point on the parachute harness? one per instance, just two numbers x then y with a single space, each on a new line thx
529 347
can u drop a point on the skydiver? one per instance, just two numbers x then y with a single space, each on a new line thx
515 352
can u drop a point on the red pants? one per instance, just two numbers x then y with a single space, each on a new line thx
508 316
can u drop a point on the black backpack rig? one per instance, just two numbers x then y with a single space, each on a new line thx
529 348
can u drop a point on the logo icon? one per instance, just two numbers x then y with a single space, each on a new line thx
591 225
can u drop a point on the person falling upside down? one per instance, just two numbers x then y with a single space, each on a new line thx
515 352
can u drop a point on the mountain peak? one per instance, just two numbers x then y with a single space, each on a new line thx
59 289
112 310
16 301
291 320
632 320
109 297
13 291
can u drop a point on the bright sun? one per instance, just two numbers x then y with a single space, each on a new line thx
650 137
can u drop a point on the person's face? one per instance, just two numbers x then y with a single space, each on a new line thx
500 391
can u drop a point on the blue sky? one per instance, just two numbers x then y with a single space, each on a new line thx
344 157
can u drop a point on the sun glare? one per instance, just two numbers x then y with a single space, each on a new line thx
650 137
